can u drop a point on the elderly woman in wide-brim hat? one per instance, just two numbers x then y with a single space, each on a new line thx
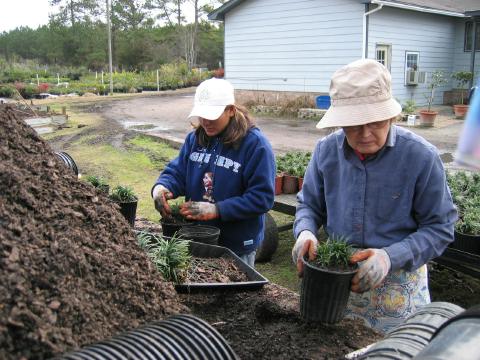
382 187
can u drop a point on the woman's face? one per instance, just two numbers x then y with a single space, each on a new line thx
368 139
215 127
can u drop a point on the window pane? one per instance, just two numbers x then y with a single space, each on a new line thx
468 36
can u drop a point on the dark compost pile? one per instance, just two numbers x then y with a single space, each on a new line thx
71 272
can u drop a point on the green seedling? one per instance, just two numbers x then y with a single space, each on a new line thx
123 194
333 253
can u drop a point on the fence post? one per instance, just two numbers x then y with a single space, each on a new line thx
158 81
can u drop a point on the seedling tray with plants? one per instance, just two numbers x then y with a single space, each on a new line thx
192 271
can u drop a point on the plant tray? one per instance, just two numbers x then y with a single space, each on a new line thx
255 279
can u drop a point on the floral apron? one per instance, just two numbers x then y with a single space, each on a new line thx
400 295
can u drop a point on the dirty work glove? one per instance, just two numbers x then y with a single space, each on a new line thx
306 244
374 267
160 196
199 210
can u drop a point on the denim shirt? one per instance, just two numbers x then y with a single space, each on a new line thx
397 200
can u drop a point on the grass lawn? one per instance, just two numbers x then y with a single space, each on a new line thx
137 163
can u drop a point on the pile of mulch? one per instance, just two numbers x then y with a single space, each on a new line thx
71 272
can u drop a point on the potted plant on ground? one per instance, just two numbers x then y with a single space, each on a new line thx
465 189
462 78
427 117
174 222
325 287
408 110
99 183
127 200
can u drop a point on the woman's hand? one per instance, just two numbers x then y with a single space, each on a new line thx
372 271
199 210
306 244
161 195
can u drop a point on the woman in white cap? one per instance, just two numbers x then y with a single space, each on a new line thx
382 187
225 170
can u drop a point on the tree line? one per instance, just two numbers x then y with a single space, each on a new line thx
145 34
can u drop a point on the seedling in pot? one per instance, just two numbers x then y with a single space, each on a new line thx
98 182
123 194
334 254
171 256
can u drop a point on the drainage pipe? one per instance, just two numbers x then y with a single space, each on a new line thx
365 33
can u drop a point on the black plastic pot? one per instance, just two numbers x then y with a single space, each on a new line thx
467 243
409 338
169 227
200 233
178 337
324 294
129 211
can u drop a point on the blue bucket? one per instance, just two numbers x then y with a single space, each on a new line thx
323 101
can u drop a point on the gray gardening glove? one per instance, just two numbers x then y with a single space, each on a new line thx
306 244
161 195
373 267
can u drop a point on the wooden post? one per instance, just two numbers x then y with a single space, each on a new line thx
158 82
38 81
102 77
58 79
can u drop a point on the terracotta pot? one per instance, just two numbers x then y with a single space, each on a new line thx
290 184
427 118
300 183
278 184
460 110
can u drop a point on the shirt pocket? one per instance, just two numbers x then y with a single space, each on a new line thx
394 203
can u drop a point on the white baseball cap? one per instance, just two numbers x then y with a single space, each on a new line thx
211 98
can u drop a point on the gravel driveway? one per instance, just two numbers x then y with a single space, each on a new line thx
166 117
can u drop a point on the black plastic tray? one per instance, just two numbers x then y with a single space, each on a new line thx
256 280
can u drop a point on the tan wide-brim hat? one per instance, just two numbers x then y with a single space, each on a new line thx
360 93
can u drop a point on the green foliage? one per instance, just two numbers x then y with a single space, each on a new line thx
170 256
98 182
293 163
409 107
465 189
462 78
7 91
333 253
437 79
123 194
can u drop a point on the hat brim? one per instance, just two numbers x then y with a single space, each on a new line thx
359 114
209 112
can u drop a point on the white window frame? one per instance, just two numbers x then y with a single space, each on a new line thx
388 54
407 53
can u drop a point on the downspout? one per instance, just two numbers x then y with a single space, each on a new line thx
365 34
472 57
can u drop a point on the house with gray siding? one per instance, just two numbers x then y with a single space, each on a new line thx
295 46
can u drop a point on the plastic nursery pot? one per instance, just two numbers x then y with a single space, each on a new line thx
290 184
278 184
324 293
200 233
171 225
466 242
129 210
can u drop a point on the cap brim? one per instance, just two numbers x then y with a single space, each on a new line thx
208 112
359 114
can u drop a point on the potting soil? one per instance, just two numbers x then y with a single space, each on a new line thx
71 272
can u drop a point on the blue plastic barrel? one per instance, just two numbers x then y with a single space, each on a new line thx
323 101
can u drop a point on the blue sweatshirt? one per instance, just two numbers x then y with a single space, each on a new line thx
397 200
239 181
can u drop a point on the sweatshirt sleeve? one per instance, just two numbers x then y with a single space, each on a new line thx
173 177
311 208
259 194
436 216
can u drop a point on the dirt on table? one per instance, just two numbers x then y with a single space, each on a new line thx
71 272
213 270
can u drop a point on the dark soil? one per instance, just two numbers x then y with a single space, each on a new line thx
71 272
213 270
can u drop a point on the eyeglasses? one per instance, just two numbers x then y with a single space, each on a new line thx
372 126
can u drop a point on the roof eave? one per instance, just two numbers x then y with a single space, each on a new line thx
418 8
219 14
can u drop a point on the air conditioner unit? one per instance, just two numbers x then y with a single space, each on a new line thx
415 77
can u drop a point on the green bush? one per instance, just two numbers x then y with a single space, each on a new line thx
123 194
465 189
7 91
293 163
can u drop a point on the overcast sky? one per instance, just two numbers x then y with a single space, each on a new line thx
32 13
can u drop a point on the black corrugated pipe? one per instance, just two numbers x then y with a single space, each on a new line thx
179 337
458 338
68 161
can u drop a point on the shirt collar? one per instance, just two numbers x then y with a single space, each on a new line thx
390 142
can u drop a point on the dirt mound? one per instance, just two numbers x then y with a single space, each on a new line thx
71 272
